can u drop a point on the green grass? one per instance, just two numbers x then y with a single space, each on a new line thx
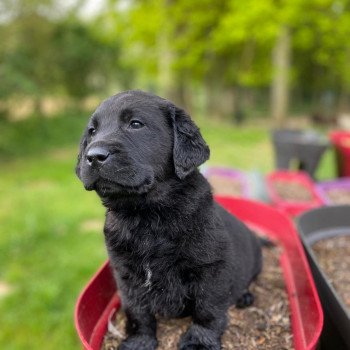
249 148
46 252
51 238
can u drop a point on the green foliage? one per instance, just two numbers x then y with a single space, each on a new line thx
25 56
85 62
232 42
42 54
171 47
39 135
323 51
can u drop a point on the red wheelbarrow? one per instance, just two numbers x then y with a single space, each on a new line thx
99 298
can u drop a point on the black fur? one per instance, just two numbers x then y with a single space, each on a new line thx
173 250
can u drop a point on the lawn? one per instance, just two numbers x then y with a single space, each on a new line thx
51 229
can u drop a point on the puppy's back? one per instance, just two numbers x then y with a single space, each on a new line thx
245 247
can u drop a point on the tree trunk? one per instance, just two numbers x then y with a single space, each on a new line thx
220 99
165 76
344 101
38 107
281 58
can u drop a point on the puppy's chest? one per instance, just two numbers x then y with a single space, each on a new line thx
155 281
136 242
153 268
160 286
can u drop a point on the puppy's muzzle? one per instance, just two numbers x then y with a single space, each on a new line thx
97 156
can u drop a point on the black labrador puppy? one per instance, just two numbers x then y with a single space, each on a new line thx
173 250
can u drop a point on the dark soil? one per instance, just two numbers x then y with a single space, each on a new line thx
333 255
293 191
224 185
265 325
339 195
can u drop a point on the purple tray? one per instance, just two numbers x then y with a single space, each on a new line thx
322 188
229 173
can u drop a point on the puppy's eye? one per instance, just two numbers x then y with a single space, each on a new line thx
92 131
135 124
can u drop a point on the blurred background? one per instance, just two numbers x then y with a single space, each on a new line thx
240 68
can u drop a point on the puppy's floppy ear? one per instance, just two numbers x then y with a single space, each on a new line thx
190 150
83 144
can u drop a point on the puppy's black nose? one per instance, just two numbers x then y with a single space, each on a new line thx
97 155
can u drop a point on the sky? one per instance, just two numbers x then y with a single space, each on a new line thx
91 7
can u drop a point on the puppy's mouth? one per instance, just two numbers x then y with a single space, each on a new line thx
108 188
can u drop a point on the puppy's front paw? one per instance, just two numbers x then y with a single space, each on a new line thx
247 299
198 347
139 342
199 339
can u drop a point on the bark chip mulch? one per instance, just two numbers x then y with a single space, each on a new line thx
339 195
333 255
293 191
225 185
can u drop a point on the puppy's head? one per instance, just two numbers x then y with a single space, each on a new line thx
135 140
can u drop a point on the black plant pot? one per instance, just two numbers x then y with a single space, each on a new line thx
306 147
314 225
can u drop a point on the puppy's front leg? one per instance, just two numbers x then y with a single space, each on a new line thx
209 323
140 330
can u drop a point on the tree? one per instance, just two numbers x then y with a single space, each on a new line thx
85 63
43 53
226 49
25 66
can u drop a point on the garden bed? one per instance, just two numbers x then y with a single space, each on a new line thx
227 181
292 192
335 192
325 233
333 255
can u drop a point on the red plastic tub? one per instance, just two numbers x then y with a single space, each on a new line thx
98 299
292 208
341 142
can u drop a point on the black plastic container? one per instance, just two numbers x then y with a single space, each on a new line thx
314 225
305 147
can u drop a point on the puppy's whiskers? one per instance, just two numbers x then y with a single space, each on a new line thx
148 271
125 167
